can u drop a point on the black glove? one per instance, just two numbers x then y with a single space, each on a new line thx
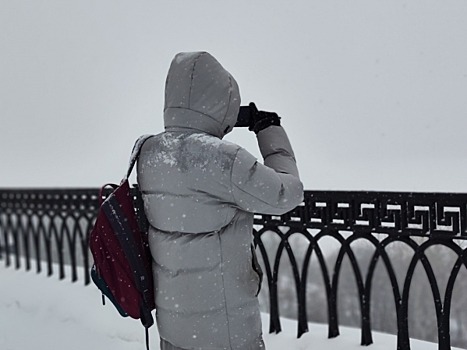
261 120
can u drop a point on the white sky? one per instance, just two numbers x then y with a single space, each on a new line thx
371 93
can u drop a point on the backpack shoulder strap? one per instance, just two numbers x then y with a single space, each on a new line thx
135 153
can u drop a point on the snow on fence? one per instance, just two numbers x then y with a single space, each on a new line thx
294 249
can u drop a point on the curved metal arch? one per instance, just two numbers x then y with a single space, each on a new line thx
275 272
25 224
48 237
314 246
274 320
62 233
446 316
72 243
8 232
20 240
42 236
70 226
79 236
14 224
29 228
381 252
365 296
443 328
345 249
80 239
300 279
36 235
367 337
403 341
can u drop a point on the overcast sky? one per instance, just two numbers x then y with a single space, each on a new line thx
373 94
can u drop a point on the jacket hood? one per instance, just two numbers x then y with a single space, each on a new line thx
200 94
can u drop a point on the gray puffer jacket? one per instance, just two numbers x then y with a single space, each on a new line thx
200 193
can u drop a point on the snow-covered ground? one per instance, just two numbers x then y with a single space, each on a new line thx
41 313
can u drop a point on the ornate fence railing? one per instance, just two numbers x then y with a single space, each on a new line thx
47 225
53 226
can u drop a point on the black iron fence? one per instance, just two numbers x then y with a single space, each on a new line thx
53 226
39 225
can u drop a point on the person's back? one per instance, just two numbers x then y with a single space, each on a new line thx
200 193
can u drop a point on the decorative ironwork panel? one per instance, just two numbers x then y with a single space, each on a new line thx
435 219
49 225
395 213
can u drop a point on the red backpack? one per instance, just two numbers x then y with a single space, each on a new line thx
122 260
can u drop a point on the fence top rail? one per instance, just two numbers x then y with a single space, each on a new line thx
324 193
440 215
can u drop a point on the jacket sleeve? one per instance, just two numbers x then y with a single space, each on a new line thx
270 188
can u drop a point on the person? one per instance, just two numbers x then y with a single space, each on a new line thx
200 193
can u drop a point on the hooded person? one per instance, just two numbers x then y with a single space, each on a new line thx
200 193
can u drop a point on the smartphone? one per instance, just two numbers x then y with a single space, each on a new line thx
244 117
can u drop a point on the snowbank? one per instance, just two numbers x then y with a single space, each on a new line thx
41 313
